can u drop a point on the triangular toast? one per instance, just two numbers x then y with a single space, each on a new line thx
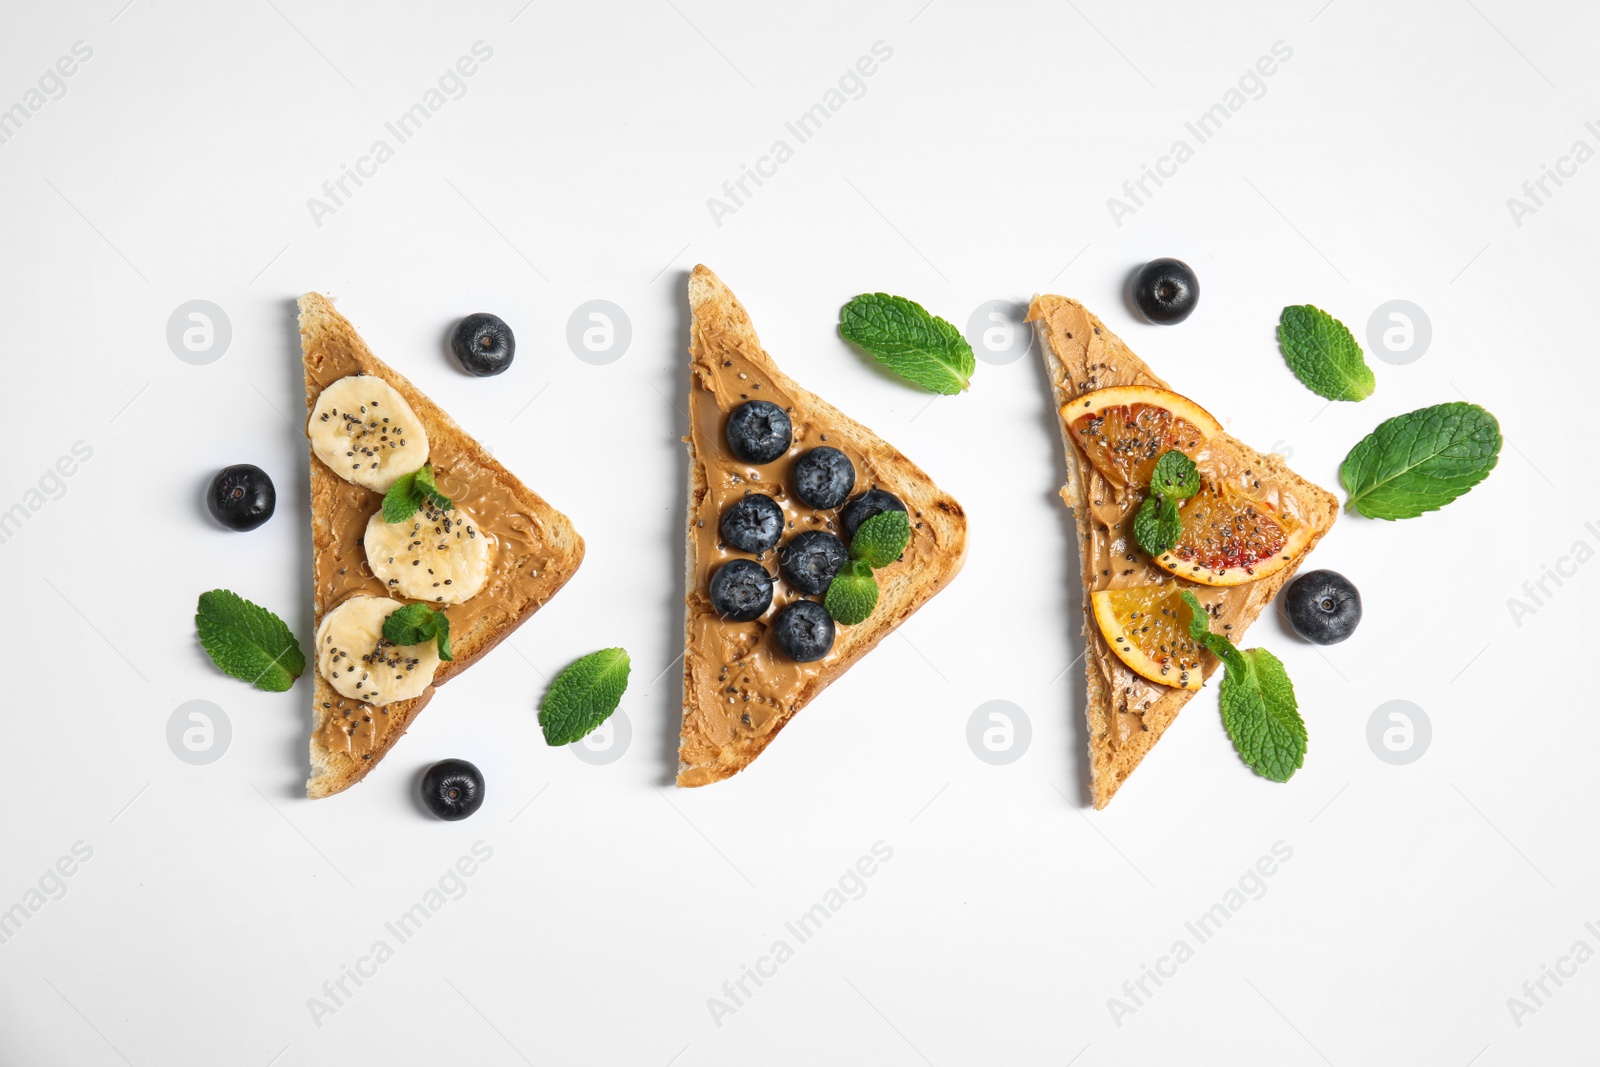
739 689
1082 354
540 553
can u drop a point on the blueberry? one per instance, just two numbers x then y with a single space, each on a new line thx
452 789
241 496
804 631
1166 291
872 502
1323 607
752 523
483 344
758 431
741 590
823 478
810 560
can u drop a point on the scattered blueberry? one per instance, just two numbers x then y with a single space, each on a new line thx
810 560
241 496
823 478
872 502
804 631
753 523
1323 607
758 431
483 344
452 789
1166 291
741 590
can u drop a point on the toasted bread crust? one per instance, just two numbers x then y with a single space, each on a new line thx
718 315
1073 342
324 333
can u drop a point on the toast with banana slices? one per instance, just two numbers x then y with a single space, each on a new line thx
780 482
477 547
1245 534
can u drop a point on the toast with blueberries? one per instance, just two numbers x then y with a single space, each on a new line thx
426 551
1240 534
810 539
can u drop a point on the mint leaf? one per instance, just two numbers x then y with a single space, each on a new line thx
400 502
411 492
248 642
882 538
1262 717
1157 526
416 623
427 490
1175 476
853 593
583 696
1324 354
1259 709
1420 461
904 337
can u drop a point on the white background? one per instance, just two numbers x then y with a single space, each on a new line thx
975 167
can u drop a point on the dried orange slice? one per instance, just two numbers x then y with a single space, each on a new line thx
1230 539
1147 626
1124 429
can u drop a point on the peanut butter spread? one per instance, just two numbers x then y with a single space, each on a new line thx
515 534
737 683
1115 560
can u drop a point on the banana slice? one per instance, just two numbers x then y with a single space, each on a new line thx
437 556
364 430
355 659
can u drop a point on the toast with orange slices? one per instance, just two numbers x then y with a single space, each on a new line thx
1244 535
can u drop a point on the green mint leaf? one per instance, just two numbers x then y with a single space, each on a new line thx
1420 461
426 489
248 642
1324 354
1157 526
1175 476
416 623
412 491
882 538
853 593
1262 717
1259 709
583 696
904 337
400 502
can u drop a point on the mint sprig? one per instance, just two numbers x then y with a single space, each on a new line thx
878 542
416 623
1323 354
903 336
1157 526
583 696
1259 709
852 594
882 538
248 642
1421 461
411 492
